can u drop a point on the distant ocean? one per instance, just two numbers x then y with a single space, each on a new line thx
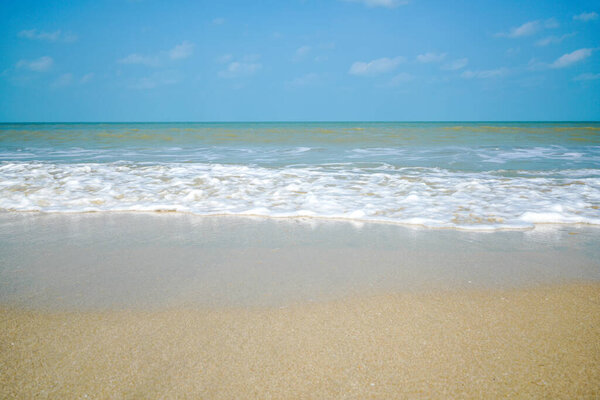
458 175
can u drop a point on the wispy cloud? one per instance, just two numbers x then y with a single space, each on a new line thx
62 80
400 78
87 77
303 80
181 51
375 67
528 28
39 65
485 74
218 21
381 3
155 80
69 79
586 16
150 61
55 36
245 67
301 52
553 39
569 59
224 59
587 77
431 57
455 64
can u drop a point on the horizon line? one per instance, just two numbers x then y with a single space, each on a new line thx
297 121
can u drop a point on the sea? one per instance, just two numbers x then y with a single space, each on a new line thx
460 175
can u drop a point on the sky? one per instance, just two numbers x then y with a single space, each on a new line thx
299 60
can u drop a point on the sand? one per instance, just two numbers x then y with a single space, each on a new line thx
535 342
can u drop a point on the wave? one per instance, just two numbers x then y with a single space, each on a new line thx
433 197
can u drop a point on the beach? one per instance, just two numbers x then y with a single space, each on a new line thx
539 342
175 305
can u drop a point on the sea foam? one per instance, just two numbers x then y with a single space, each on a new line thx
434 197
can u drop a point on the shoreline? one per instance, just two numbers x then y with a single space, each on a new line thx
151 261
539 342
318 219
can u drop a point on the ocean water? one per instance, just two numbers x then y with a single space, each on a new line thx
482 176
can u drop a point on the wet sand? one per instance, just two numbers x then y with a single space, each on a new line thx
541 342
177 306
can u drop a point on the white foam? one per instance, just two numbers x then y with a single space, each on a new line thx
423 196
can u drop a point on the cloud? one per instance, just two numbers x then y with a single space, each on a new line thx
381 3
86 78
456 64
39 65
529 28
587 77
485 74
401 78
150 61
155 80
571 58
586 16
551 23
55 36
224 59
375 67
63 80
302 80
301 52
181 51
239 69
430 57
553 39
218 21
69 79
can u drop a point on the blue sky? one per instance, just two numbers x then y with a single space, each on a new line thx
415 60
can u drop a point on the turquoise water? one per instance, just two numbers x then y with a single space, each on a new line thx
464 175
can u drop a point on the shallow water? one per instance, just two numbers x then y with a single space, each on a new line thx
150 260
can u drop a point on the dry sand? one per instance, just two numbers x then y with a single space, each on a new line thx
540 342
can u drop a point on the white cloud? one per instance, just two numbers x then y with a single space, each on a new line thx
586 16
553 39
181 51
529 28
301 52
86 78
401 78
218 21
587 77
39 65
55 36
224 59
571 58
63 80
239 69
551 23
381 3
69 79
150 61
155 80
431 57
456 64
302 80
485 74
375 67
